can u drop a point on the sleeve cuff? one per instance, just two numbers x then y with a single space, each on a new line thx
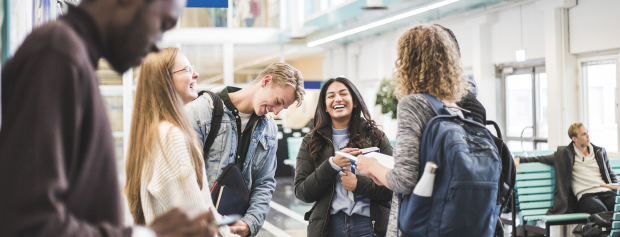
331 162
252 223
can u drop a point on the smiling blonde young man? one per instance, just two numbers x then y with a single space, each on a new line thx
247 135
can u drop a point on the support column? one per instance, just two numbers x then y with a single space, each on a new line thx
229 64
483 68
561 68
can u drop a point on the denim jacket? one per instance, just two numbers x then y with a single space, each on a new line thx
260 164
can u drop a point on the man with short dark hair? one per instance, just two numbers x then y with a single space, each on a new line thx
57 157
580 169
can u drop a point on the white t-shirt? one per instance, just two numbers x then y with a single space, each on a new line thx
244 120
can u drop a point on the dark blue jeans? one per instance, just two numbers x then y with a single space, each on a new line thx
343 225
597 202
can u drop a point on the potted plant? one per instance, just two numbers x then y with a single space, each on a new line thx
386 97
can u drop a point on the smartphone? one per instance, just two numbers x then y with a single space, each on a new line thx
227 220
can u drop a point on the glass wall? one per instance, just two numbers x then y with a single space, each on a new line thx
599 105
204 17
526 109
208 61
255 13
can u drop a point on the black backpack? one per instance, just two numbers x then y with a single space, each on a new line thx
216 122
506 184
598 225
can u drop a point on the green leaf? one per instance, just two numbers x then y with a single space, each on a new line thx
386 98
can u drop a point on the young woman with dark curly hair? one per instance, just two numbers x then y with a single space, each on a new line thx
346 203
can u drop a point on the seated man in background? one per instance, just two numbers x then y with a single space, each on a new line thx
580 169
248 135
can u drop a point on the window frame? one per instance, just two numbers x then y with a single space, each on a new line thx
583 92
532 69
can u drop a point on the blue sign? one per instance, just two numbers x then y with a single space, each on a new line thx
208 3
41 12
313 84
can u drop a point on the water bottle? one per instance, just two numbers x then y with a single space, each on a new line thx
424 188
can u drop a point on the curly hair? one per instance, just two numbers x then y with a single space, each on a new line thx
429 62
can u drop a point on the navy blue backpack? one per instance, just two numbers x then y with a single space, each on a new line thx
464 199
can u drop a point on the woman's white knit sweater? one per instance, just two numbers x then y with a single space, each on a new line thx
169 179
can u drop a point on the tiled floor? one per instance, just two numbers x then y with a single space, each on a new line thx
286 215
284 224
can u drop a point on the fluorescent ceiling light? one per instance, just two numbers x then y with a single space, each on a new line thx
379 23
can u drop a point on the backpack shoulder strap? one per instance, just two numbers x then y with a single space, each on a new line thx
216 121
440 109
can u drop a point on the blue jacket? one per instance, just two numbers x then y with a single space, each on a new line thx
260 165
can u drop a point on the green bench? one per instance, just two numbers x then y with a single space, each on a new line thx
615 224
535 183
294 143
615 232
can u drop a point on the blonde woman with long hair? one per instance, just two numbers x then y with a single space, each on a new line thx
164 162
428 62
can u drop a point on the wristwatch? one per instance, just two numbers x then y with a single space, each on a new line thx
141 231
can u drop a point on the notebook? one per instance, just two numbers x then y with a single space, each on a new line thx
373 152
229 203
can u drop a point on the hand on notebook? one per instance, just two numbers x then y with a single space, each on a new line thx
349 180
184 222
241 228
342 161
364 164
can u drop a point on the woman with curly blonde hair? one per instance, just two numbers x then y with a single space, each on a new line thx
428 63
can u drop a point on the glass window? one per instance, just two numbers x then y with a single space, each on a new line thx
526 109
518 104
204 17
256 13
542 128
208 61
599 107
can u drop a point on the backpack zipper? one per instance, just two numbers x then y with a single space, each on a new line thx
372 231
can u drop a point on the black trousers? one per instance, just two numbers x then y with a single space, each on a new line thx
597 202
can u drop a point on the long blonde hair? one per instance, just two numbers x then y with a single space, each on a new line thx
429 62
156 101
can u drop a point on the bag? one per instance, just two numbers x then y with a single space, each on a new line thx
599 224
216 122
465 190
507 178
506 184
231 179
